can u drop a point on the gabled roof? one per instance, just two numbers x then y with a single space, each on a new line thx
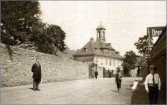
89 48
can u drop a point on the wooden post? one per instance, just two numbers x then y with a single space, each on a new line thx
148 34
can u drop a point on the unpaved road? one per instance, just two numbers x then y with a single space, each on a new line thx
90 91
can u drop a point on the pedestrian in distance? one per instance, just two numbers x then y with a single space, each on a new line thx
153 85
36 69
96 74
118 80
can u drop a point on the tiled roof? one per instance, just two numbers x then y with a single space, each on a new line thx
93 49
102 46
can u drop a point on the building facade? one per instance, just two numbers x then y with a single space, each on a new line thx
99 52
136 70
158 58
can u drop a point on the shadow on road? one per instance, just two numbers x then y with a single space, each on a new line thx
113 90
31 88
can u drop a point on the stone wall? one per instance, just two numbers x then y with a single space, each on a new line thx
54 68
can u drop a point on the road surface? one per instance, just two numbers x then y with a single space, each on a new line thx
89 91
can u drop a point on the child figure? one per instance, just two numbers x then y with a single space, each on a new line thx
135 83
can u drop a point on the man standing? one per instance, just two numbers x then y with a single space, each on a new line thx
153 85
36 69
96 73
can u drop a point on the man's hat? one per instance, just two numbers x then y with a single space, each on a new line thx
152 67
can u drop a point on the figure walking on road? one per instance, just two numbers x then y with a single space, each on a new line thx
36 69
96 73
153 85
118 80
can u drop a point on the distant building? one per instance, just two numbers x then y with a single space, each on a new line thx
136 70
100 52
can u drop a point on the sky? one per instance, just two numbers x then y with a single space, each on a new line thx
125 21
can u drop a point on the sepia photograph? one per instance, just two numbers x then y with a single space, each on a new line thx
83 52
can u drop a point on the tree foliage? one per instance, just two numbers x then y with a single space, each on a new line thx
57 35
20 22
129 61
47 37
142 43
17 18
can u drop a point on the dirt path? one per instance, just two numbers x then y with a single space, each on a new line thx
90 91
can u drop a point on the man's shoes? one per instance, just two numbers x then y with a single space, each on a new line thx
34 89
38 89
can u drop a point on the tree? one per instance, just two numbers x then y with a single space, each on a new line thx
57 35
142 44
17 18
129 61
20 22
47 37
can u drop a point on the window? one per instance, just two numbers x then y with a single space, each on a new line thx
106 61
99 34
85 49
103 33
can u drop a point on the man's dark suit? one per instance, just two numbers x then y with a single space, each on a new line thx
96 73
36 69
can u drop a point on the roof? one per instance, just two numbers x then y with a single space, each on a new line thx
101 27
102 46
93 49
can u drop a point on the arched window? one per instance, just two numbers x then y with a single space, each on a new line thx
103 34
99 34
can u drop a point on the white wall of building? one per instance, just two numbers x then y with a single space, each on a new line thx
108 63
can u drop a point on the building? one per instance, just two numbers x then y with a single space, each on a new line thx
136 70
158 58
99 52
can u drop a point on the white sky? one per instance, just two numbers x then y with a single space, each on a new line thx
125 21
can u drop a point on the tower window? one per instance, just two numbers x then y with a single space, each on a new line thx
104 34
99 34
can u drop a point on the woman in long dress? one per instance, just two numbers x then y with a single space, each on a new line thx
118 80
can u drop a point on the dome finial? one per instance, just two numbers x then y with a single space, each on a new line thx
101 26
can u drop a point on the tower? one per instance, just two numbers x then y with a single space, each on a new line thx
100 33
